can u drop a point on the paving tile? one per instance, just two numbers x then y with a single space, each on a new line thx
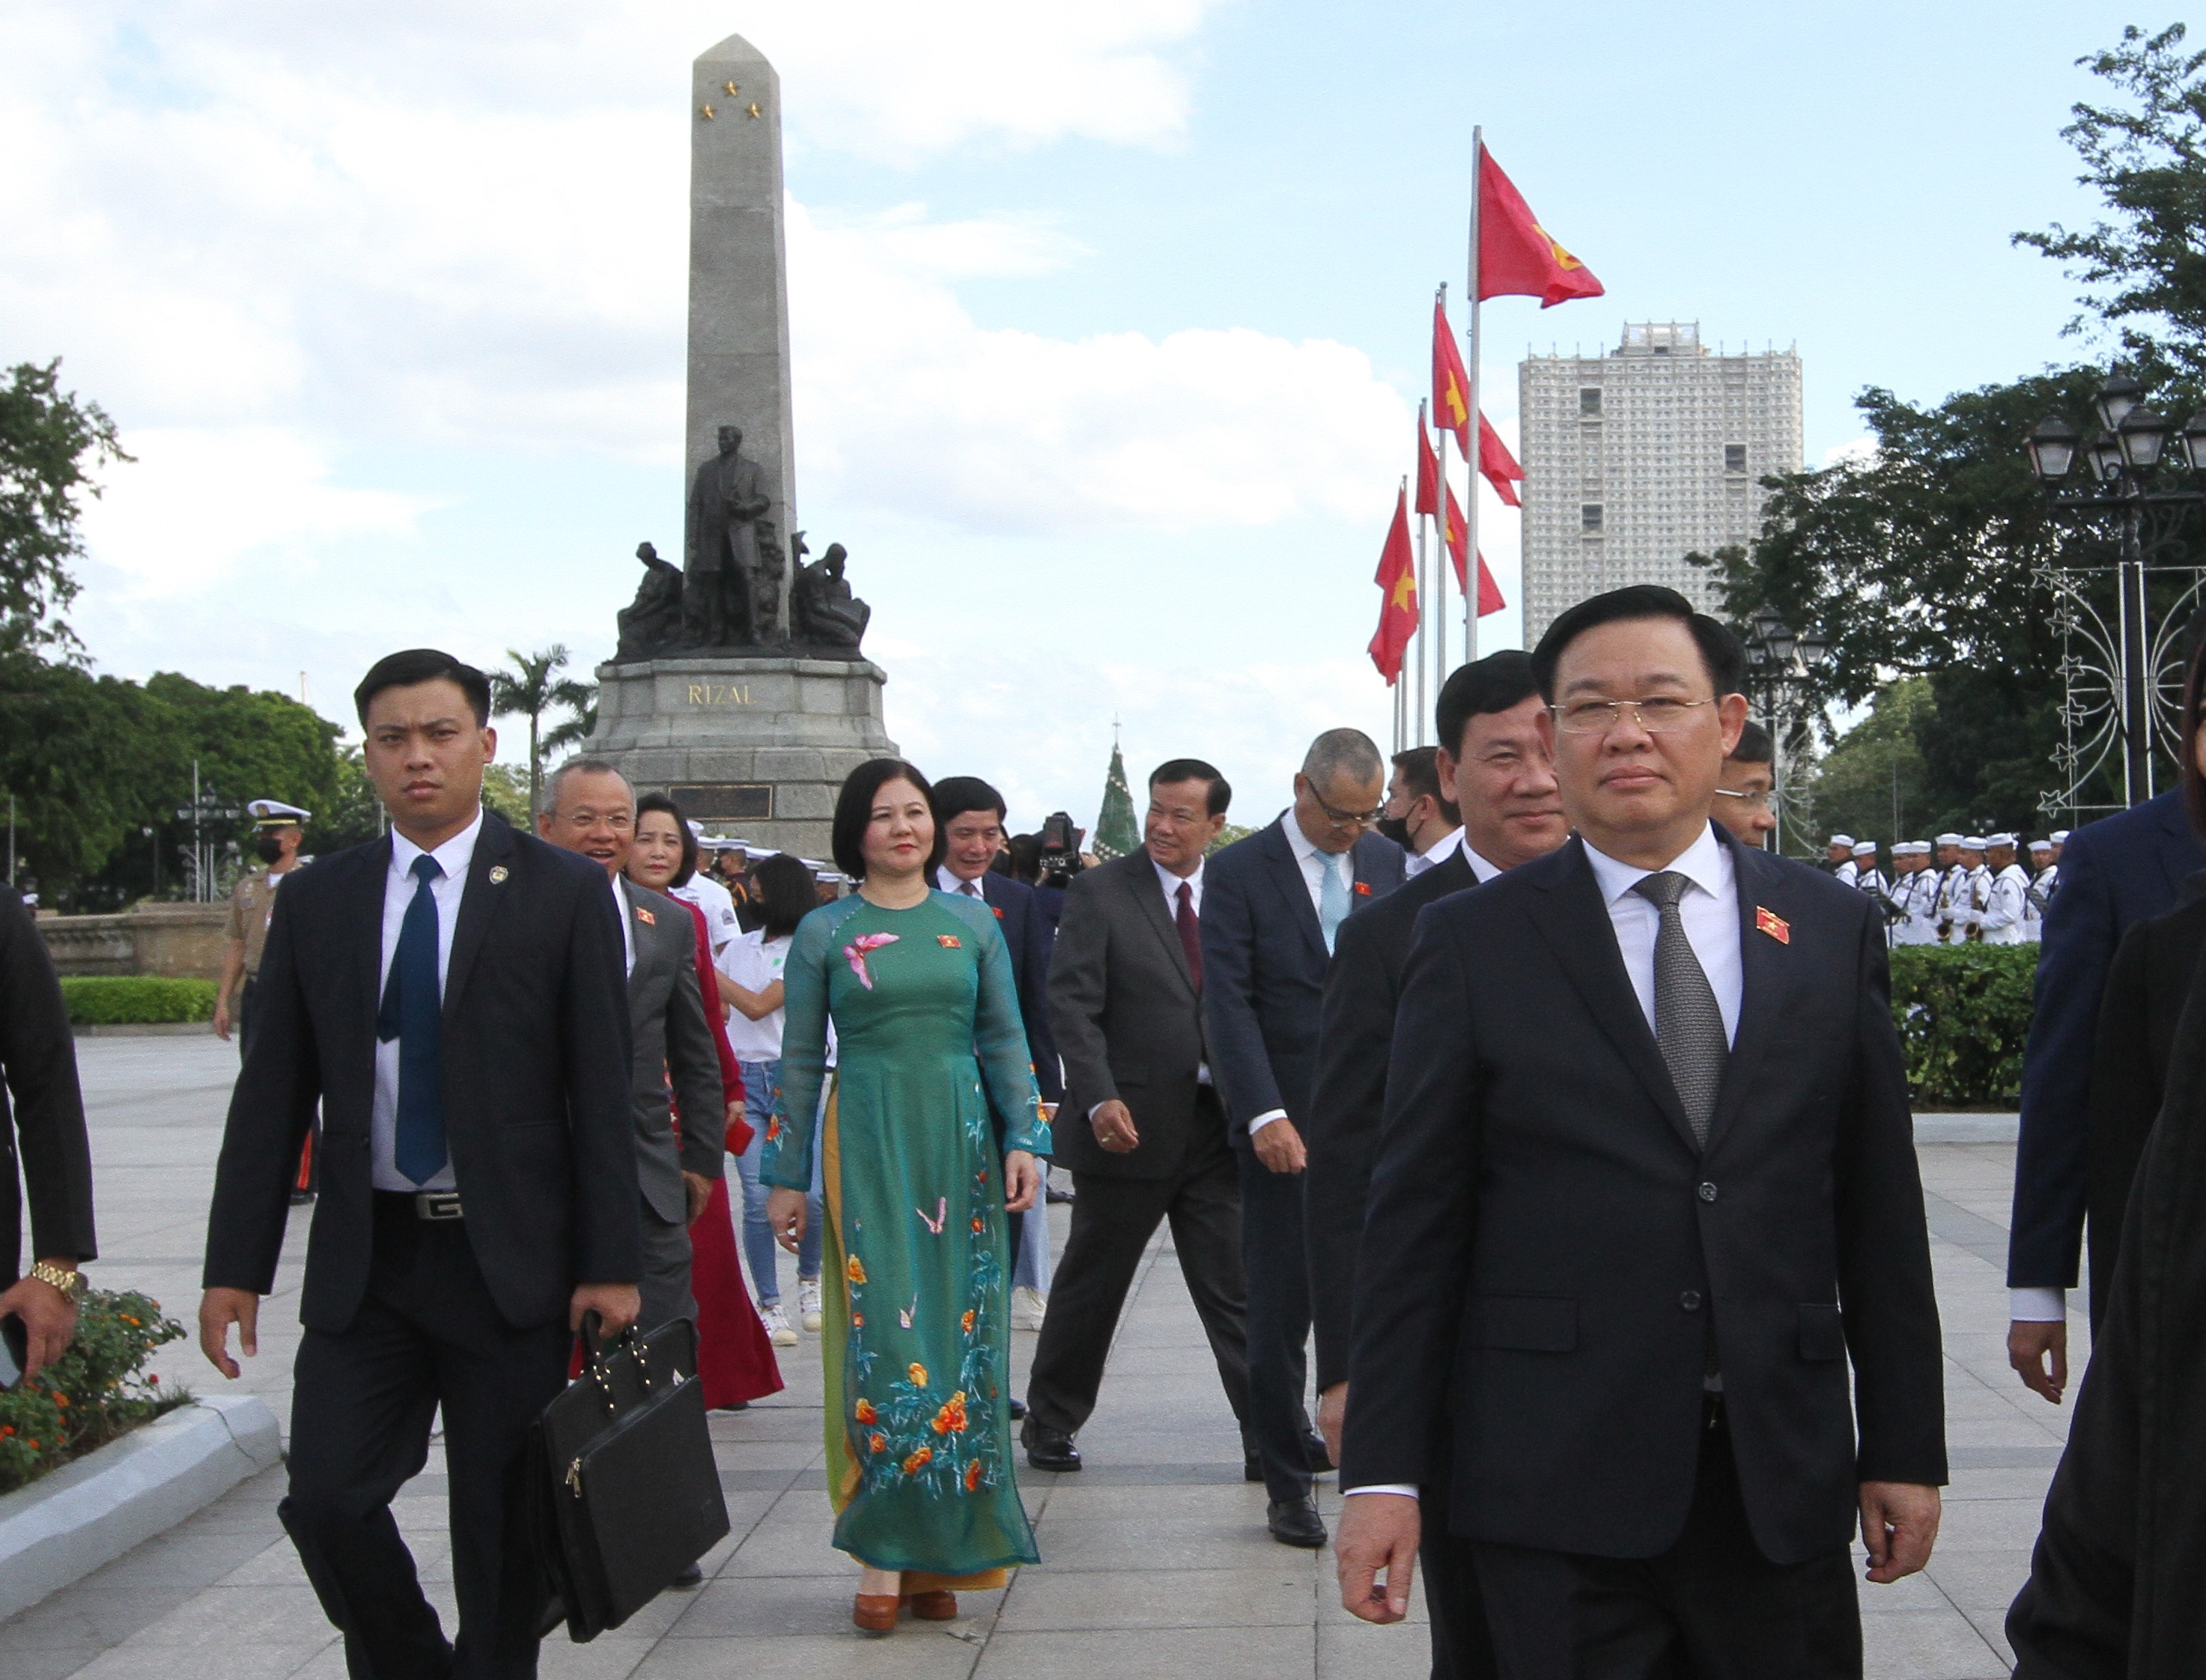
1927 1645
1221 1653
915 1650
1277 1595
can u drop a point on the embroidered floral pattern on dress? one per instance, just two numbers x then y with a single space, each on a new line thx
855 954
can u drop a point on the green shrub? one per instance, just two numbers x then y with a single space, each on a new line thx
92 1393
1964 1016
116 1000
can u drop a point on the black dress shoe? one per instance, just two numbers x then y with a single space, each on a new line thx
692 1577
1019 1410
1048 1448
1252 1466
1056 1197
1295 1522
1314 1455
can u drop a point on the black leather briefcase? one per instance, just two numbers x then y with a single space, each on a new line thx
627 1493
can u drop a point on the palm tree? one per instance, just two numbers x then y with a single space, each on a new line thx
533 686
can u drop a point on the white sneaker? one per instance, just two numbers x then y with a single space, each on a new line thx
1028 1305
808 1304
777 1326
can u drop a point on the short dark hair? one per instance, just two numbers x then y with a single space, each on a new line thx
1721 651
416 665
1421 773
1754 745
786 894
1494 683
854 812
659 802
1221 795
1026 858
955 795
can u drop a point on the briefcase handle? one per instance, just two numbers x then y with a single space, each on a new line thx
599 1351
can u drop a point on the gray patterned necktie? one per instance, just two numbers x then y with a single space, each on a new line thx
1688 1024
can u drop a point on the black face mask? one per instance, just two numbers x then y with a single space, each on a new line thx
268 848
1395 828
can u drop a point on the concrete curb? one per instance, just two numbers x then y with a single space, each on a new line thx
64 1526
1967 1128
147 1029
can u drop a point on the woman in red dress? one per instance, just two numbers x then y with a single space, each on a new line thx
734 1359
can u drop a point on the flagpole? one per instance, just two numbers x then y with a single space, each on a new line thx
1470 590
1440 570
1424 576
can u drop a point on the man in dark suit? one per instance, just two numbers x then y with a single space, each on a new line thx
1272 912
44 1132
1493 768
970 815
590 808
1646 1184
1143 1132
2115 873
452 996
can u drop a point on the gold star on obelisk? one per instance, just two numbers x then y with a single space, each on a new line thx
730 89
705 111
753 111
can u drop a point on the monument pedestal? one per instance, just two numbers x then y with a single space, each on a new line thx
750 744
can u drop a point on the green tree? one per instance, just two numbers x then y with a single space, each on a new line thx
1874 781
1117 835
533 686
52 443
83 756
2144 264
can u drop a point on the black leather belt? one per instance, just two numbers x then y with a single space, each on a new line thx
433 1206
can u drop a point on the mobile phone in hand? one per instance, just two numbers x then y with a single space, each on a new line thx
14 1350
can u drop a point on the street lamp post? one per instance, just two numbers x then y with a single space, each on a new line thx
1778 663
2123 472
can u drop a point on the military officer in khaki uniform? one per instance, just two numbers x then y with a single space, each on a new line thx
278 831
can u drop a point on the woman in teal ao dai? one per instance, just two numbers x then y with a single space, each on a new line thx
916 1340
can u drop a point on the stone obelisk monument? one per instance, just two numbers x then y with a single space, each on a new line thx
738 687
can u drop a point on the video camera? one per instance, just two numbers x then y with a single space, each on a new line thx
1060 849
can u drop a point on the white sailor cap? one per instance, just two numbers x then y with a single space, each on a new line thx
2060 836
1863 848
2041 845
1951 840
1910 849
2000 839
275 813
1842 839
1973 843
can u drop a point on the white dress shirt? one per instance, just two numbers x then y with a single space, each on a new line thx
624 907
453 857
1416 863
1709 910
961 889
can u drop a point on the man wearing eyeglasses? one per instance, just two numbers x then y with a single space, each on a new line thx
1646 1194
1748 784
1272 907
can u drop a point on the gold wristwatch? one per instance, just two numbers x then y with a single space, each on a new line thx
66 1279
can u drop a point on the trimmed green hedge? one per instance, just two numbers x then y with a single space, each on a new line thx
118 1000
1964 1016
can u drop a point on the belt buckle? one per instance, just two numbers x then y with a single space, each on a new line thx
437 1207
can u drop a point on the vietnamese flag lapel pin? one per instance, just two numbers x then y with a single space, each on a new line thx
1768 921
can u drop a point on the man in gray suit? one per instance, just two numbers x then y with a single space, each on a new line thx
590 808
1141 1130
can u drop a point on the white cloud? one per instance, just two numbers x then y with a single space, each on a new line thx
194 503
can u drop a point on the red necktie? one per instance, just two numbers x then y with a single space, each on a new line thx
1190 934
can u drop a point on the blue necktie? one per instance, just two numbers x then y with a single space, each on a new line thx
413 1013
1332 898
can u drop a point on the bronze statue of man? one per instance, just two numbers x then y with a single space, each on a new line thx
726 528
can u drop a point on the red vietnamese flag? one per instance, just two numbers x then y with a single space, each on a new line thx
1500 466
1455 531
1450 385
1428 469
1398 610
1517 256
1489 592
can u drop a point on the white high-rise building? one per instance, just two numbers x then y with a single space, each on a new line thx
1636 459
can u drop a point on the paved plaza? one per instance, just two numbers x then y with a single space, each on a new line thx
1154 1558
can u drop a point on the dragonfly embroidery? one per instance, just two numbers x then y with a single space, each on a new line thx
856 952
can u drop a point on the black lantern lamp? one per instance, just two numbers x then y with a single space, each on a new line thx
2190 442
1812 648
2115 400
2144 438
2052 445
2106 452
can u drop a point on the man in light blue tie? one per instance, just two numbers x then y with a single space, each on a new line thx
1272 907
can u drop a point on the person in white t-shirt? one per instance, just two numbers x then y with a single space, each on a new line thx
750 970
716 902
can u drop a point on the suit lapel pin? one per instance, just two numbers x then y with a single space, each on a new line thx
1363 888
999 910
1769 922
645 917
498 874
948 942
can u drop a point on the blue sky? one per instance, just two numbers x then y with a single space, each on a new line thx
1108 324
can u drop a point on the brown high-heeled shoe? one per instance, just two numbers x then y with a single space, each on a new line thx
939 1605
876 1613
